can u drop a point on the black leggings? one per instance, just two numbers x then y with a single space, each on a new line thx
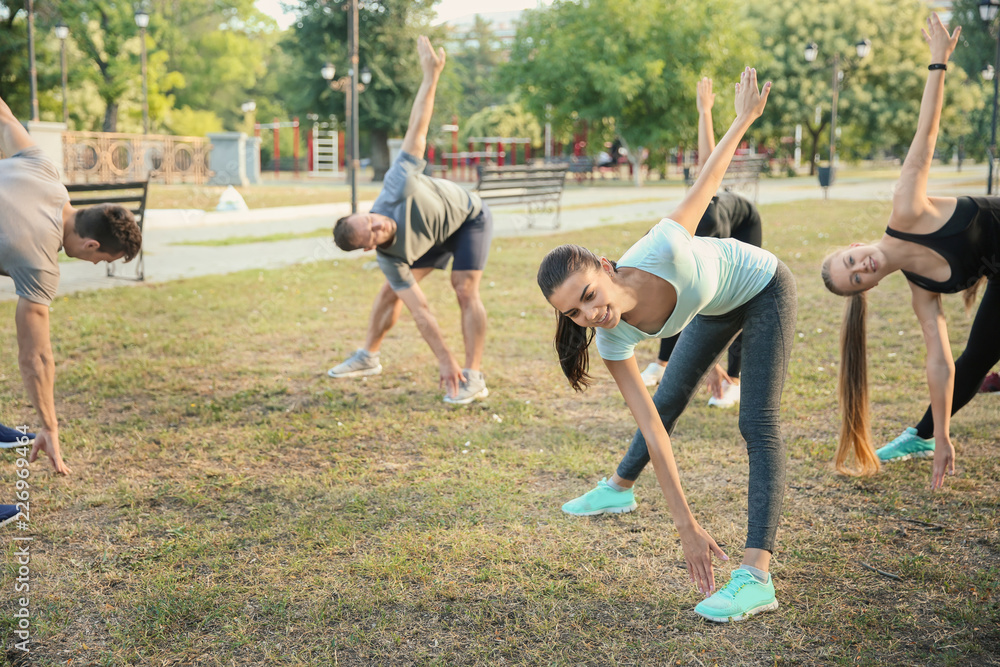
746 228
980 355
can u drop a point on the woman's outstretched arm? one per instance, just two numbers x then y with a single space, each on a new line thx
749 106
940 378
697 543
910 202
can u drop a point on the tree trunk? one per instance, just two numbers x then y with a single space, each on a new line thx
380 154
111 117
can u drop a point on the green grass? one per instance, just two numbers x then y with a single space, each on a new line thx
231 505
242 240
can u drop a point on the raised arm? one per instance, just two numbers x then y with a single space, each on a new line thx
940 378
415 141
697 543
13 137
910 202
749 106
706 133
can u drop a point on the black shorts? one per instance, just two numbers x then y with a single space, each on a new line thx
469 245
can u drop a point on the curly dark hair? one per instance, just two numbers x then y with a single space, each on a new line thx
114 227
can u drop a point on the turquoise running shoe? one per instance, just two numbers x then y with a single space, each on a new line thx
743 596
602 500
909 445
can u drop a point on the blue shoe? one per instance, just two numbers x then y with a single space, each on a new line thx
909 445
8 513
11 438
602 500
743 596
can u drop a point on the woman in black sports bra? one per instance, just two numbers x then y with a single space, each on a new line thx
942 245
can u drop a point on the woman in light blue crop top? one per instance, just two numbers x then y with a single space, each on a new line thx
712 289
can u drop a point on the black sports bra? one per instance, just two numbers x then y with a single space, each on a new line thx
969 242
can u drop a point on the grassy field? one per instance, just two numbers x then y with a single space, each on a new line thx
231 505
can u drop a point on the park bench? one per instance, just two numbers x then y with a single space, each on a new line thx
540 187
131 195
743 174
582 166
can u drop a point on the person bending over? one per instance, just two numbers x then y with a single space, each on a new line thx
36 220
942 245
667 281
417 224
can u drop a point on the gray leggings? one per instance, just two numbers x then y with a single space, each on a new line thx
768 324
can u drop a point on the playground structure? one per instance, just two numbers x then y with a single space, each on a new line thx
325 150
275 127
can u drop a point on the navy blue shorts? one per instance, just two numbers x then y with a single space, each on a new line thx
469 245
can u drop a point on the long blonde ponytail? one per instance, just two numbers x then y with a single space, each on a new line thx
855 427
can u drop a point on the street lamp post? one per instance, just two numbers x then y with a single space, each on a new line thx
31 60
863 48
988 12
351 88
142 20
62 32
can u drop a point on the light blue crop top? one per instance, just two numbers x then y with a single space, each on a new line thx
711 277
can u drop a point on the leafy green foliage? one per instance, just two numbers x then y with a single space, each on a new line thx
879 95
630 66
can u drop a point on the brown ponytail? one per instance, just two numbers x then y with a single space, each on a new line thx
855 411
855 427
571 340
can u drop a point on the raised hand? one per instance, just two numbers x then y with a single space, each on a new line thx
750 100
936 35
706 98
431 62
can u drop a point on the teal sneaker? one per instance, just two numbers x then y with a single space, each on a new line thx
743 596
602 500
909 445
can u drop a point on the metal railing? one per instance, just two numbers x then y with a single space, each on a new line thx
112 157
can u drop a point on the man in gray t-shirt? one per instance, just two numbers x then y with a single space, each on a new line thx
36 221
417 224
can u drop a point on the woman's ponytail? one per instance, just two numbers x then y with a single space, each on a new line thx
855 428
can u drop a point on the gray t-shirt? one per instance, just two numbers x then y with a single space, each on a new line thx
426 210
31 224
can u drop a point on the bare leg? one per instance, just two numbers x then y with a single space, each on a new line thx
385 312
758 558
466 284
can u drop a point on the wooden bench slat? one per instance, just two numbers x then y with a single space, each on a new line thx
83 201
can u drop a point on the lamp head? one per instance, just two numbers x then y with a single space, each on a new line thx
366 75
62 30
812 50
988 10
328 71
142 18
864 47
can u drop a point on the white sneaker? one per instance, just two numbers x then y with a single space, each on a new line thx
730 396
652 375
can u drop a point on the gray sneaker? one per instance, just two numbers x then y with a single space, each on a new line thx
358 364
472 388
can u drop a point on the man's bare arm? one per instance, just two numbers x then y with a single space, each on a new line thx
415 141
38 371
13 137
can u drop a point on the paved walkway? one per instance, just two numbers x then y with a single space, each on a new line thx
583 207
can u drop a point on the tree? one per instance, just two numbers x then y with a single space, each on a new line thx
475 63
630 65
879 95
387 37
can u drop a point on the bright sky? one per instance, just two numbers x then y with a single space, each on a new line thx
446 9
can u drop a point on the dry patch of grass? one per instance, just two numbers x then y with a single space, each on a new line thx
230 504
